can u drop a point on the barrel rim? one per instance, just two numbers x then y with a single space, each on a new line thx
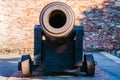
69 21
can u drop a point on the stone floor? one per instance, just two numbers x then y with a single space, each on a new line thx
109 64
107 68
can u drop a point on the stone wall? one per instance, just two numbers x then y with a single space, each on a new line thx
101 19
102 27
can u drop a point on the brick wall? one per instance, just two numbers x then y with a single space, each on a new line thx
99 17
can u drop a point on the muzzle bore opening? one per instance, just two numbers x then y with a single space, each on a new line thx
57 19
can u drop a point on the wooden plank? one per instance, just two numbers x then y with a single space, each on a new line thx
99 75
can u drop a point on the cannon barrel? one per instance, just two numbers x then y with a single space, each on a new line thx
58 44
57 21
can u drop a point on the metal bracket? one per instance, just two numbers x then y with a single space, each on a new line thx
79 33
37 44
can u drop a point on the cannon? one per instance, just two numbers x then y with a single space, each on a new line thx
58 44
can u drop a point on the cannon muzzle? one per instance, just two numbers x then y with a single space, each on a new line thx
57 21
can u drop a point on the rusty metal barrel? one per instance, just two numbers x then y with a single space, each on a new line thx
57 21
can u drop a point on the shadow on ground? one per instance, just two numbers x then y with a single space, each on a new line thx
8 66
